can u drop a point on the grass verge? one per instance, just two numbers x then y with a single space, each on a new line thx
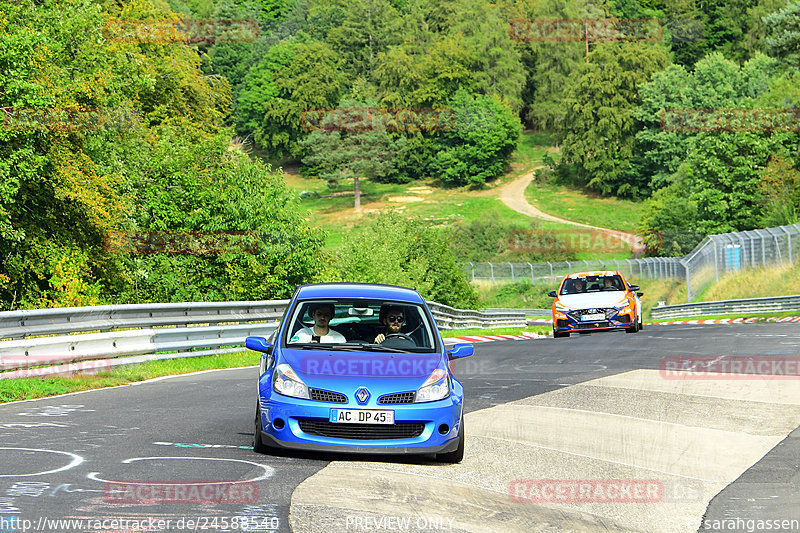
760 316
446 333
578 205
40 387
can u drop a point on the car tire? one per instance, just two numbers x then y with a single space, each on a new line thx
634 328
456 455
258 444
558 335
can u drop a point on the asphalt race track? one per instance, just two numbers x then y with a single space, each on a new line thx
577 434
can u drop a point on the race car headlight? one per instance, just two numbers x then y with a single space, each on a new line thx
436 387
561 307
285 381
624 306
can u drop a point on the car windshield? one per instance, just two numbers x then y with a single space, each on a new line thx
584 284
361 325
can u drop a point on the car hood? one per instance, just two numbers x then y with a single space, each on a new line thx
336 369
591 299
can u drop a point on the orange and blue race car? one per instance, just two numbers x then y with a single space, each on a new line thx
596 301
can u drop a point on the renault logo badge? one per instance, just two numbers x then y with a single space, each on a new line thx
362 395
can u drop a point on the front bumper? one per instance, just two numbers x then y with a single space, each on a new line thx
570 324
432 416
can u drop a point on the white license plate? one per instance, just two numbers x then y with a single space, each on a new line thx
361 416
596 316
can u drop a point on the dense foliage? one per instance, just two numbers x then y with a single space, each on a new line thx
148 152
407 252
106 135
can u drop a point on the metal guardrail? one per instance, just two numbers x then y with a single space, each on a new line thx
112 334
776 304
527 312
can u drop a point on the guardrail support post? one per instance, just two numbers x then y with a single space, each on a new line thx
551 271
789 239
533 279
513 280
716 267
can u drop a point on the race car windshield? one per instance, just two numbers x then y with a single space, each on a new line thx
361 325
584 284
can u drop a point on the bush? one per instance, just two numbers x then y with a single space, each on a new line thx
407 252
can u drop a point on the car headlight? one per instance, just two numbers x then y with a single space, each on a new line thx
561 307
436 387
285 381
624 306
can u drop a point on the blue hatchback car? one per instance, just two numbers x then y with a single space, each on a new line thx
359 368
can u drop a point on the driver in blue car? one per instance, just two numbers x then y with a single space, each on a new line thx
393 318
321 332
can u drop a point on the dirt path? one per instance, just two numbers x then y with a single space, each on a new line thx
513 195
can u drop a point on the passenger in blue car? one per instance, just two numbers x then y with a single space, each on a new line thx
393 318
321 332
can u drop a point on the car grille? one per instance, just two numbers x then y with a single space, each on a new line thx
400 397
362 431
607 312
326 396
591 325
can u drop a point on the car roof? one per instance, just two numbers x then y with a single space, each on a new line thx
574 275
358 290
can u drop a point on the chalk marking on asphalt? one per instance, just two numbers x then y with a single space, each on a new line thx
268 471
76 460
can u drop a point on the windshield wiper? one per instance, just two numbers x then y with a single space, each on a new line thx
344 347
381 348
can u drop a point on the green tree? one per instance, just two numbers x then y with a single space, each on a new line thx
599 125
480 144
724 174
780 187
408 252
369 28
312 81
784 40
339 150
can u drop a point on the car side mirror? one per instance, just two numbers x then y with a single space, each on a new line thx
258 344
460 350
634 287
552 294
639 294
